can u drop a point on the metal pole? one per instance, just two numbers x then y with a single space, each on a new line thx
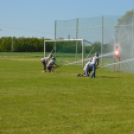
44 47
76 37
101 40
55 36
132 39
12 44
132 35
82 53
55 30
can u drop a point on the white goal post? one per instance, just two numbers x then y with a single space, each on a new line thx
69 40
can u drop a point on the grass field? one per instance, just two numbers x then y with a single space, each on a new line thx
33 102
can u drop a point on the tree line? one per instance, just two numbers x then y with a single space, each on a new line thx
22 44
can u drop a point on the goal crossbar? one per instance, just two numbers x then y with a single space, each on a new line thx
69 40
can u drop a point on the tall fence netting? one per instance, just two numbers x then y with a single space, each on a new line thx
104 33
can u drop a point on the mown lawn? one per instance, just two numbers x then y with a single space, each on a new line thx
33 102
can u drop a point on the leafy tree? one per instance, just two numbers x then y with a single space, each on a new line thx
97 47
125 26
125 32
5 44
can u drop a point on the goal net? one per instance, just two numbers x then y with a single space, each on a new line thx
68 51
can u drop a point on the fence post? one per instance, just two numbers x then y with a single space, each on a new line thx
132 35
55 36
101 40
44 48
12 44
76 37
83 46
132 39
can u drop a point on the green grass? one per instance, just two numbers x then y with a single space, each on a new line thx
33 102
21 54
38 54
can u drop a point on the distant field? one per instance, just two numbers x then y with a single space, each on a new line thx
61 58
35 54
26 54
33 102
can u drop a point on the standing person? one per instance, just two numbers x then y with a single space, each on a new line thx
45 61
51 65
94 64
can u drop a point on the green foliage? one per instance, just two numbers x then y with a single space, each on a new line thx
97 47
21 44
125 29
5 44
125 34
127 18
68 47
88 49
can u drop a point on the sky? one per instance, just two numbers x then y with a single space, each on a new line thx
35 18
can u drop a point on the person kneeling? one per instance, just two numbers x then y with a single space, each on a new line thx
51 65
87 69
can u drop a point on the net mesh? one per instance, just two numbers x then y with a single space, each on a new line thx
68 51
104 33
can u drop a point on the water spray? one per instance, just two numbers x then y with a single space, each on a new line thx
118 62
108 54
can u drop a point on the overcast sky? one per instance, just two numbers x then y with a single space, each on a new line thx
35 18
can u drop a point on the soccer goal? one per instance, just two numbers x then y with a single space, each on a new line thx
67 51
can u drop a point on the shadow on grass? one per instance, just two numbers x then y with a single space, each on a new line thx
105 77
98 77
